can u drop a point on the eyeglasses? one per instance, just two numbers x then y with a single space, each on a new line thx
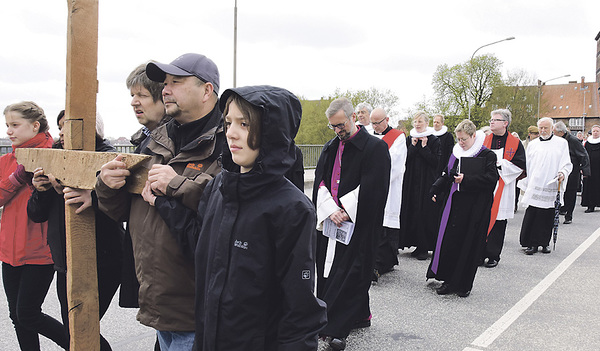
496 120
464 140
378 123
338 126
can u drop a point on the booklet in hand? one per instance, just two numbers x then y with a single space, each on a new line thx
470 166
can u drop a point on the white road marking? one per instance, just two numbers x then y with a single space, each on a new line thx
494 331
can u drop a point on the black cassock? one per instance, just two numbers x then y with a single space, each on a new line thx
446 146
590 196
419 215
365 162
461 242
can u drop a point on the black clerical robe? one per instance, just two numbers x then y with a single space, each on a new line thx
365 162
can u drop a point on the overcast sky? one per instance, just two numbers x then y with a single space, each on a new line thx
308 47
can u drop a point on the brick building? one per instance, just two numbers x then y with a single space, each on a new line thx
576 103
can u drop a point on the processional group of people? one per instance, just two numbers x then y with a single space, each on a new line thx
223 251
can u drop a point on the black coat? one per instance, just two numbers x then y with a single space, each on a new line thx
253 240
460 244
365 162
419 215
590 197
50 206
446 146
580 161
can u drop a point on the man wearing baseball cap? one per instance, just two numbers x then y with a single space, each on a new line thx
185 153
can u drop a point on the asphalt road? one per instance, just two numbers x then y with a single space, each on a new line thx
538 302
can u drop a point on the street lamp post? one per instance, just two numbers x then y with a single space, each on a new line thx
540 83
235 44
471 64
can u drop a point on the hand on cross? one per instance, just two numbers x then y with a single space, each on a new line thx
78 196
43 182
114 173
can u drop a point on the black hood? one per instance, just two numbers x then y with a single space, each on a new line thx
280 120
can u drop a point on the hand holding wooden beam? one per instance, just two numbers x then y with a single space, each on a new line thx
78 169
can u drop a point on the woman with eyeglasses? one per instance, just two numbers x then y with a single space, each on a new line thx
466 191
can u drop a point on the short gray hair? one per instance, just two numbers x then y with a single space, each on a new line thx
545 119
505 113
340 104
441 116
367 106
561 127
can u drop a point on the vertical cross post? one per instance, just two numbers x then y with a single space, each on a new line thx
80 134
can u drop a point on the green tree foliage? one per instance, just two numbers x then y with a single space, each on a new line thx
470 83
313 128
385 99
519 94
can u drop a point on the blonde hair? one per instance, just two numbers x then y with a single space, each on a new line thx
421 114
467 127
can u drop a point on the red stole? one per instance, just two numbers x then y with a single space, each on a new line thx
391 136
510 149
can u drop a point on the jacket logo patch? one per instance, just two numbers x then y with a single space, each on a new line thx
196 166
241 244
305 274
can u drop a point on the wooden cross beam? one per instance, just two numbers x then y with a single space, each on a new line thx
80 134
78 169
80 124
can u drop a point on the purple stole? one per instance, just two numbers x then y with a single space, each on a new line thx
445 216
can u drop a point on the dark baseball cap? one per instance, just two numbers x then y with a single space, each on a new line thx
185 65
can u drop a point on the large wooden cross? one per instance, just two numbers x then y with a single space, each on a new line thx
78 169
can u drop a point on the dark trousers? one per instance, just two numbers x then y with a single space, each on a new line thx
108 282
387 252
569 200
26 288
536 229
495 241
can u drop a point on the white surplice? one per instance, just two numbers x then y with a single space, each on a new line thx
545 159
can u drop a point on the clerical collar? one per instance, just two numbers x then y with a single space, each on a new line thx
440 132
591 140
427 132
385 131
473 150
542 139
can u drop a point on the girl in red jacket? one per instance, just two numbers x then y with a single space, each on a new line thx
27 267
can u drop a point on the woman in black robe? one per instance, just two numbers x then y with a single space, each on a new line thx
469 193
590 196
419 215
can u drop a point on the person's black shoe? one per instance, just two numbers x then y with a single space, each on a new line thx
546 249
422 256
589 210
562 213
491 263
568 221
376 275
444 289
337 344
463 293
531 250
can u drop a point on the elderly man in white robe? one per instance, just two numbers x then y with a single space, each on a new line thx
548 165
387 250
